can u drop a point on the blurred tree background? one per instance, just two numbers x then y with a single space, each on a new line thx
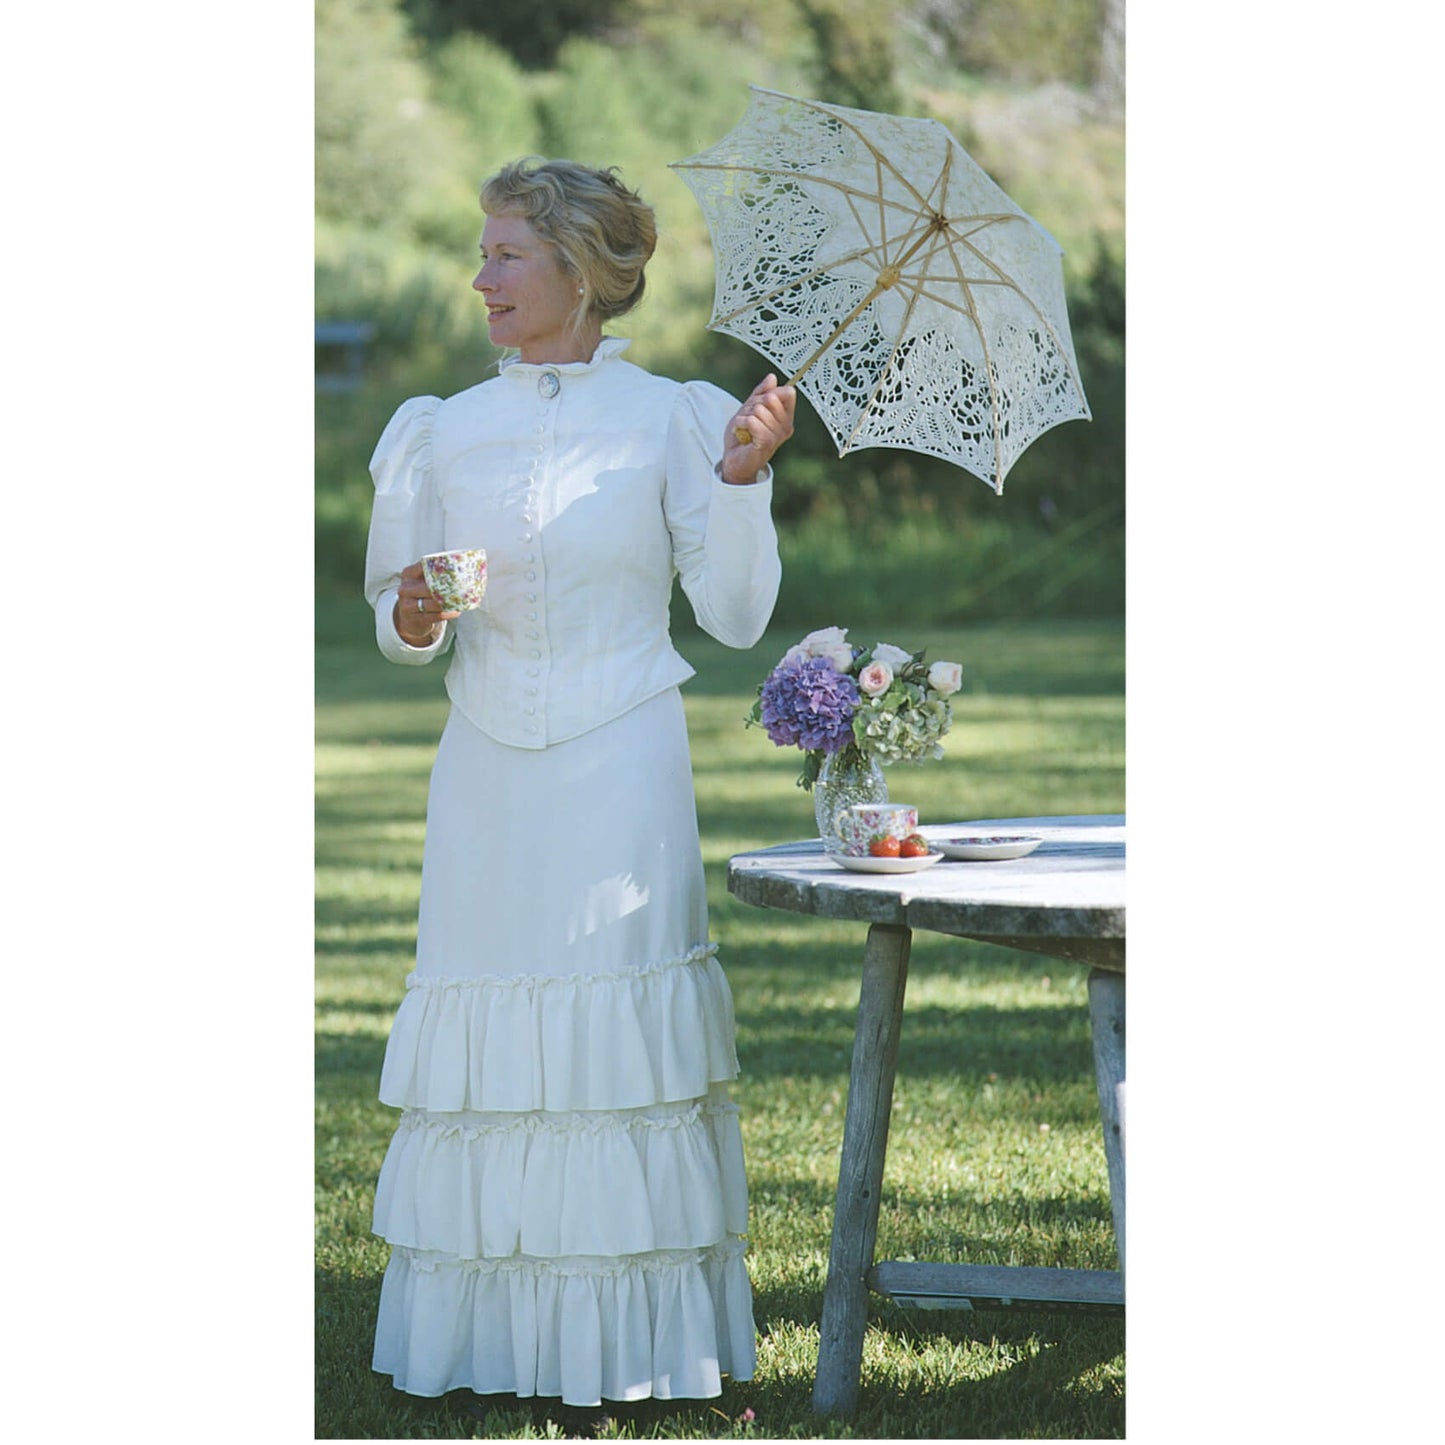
418 100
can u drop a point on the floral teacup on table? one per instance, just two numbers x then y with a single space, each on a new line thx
860 824
458 580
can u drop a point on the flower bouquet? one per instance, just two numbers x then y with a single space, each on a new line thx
856 705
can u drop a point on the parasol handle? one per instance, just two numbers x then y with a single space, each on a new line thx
741 434
887 278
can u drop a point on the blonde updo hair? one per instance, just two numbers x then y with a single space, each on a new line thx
602 233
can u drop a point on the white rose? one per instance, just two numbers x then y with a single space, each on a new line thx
945 678
827 642
823 641
890 656
830 643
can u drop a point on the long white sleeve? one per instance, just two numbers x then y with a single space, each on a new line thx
407 521
724 544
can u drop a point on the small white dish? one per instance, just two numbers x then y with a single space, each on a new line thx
886 865
984 848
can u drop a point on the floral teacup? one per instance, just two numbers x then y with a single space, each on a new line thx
458 580
860 824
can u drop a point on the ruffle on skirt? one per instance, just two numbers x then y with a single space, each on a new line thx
546 1185
610 1041
666 1325
565 1195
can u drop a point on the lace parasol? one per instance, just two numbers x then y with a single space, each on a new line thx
870 257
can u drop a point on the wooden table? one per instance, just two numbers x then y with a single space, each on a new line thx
1066 900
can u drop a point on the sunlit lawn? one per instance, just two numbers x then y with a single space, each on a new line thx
994 1153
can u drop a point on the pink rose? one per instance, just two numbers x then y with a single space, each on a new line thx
876 678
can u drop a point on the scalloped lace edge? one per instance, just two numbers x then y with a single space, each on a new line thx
699 954
660 1261
480 1124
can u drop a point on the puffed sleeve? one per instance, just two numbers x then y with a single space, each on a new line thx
406 521
723 541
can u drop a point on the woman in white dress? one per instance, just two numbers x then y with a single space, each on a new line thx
564 1195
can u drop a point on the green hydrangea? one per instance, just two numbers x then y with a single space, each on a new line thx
902 725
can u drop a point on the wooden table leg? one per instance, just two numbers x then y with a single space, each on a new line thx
860 1170
1106 1022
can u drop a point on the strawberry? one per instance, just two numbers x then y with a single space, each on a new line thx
915 845
880 845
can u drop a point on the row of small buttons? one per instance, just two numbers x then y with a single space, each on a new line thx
548 386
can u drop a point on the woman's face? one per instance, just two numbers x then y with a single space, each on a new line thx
530 299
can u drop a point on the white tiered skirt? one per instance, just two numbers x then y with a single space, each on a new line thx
564 1195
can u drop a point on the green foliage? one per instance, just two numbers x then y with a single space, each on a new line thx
855 45
532 33
975 569
1020 40
773 31
494 101
384 150
419 300
588 112
687 85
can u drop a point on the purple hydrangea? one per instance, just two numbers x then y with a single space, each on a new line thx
809 704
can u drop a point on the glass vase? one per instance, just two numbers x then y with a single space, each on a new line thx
846 778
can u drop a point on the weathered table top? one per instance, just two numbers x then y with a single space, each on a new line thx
1065 900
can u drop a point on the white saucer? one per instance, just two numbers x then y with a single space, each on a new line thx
985 847
886 865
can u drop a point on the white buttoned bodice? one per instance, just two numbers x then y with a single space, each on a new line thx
589 485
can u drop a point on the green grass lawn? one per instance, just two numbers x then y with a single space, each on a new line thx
994 1154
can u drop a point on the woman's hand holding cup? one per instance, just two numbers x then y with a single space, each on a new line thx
440 587
417 612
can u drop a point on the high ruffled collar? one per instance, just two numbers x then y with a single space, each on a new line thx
607 348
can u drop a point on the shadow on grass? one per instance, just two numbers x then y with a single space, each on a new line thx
359 803
1056 1217
347 947
348 1064
375 1007
392 926
1000 1227
1013 1358
1041 1390
1042 1044
353 1402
